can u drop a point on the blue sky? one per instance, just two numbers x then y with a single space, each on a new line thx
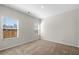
9 20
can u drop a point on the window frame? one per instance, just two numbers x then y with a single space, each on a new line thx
2 20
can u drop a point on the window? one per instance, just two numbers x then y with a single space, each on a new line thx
10 27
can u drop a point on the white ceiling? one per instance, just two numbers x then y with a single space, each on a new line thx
43 10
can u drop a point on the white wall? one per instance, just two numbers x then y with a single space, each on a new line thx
26 31
78 28
61 28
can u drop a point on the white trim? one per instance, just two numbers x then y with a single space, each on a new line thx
17 28
2 27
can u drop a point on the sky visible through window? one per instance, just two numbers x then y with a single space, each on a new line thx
9 21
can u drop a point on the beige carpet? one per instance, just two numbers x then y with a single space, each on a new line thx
41 47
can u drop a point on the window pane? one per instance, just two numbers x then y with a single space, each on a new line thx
9 27
9 22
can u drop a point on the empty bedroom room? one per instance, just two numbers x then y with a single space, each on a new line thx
39 29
